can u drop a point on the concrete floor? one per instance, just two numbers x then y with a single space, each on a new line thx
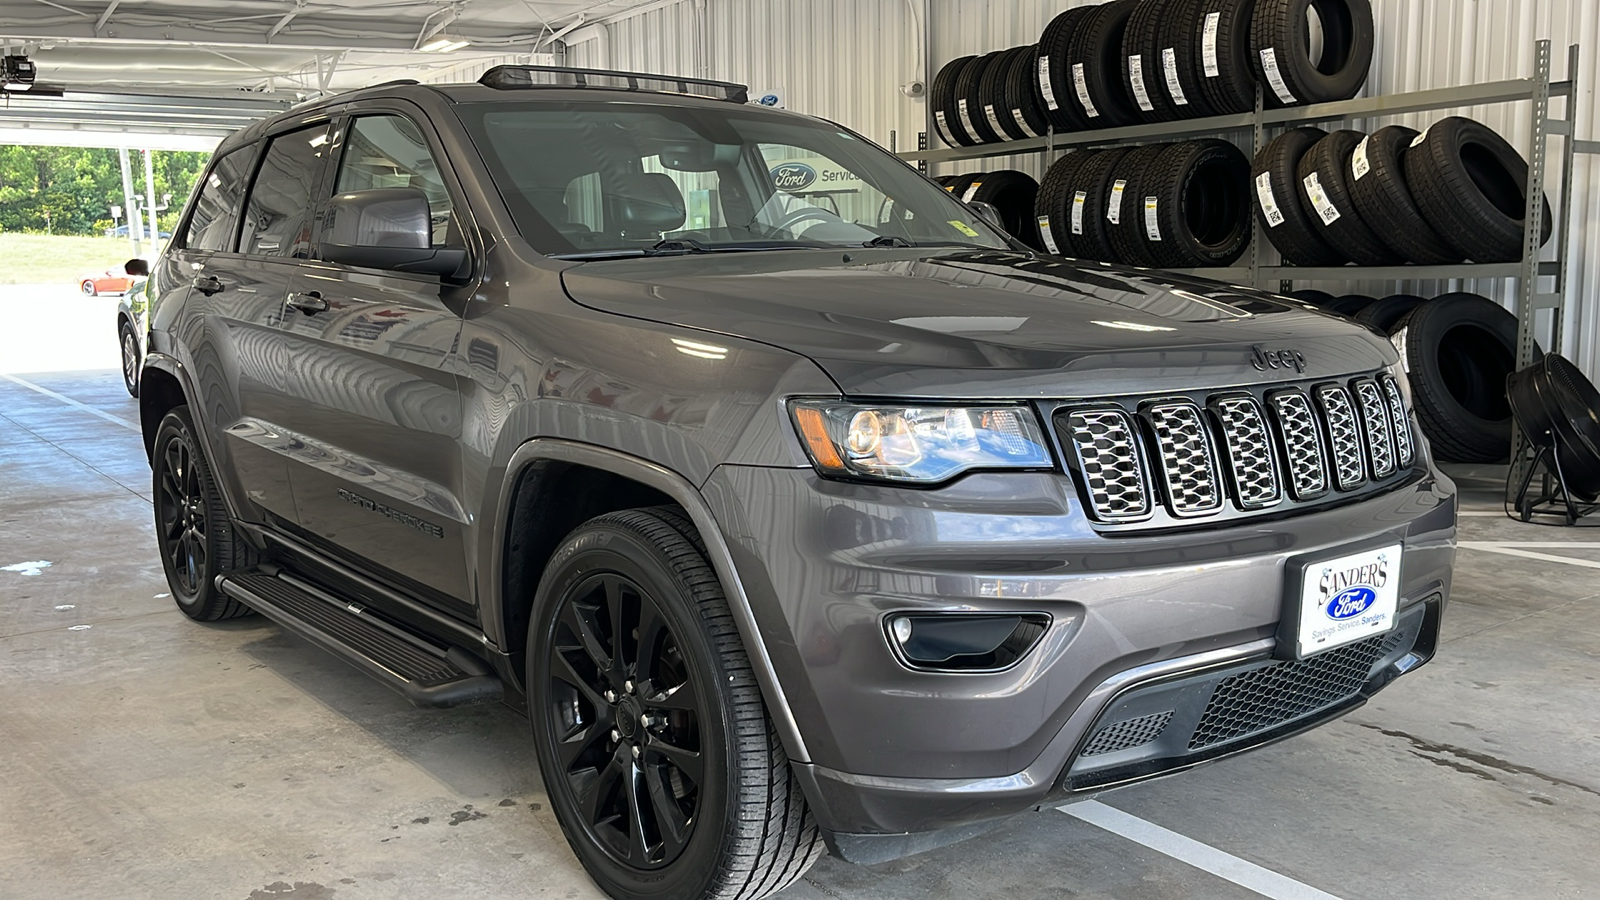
145 755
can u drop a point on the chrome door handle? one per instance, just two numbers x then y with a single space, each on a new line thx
309 303
207 284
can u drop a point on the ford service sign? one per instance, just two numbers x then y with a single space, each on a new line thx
793 176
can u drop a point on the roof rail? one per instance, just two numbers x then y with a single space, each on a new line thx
520 77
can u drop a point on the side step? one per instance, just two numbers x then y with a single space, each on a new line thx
428 674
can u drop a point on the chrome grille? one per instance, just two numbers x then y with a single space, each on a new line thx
1375 422
1250 465
1302 444
1344 436
1187 463
1113 469
1404 449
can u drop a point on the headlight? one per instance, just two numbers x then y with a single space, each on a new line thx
918 444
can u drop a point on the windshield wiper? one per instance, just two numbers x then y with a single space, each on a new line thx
888 240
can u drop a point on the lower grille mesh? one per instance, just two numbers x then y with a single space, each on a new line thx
1128 733
1262 698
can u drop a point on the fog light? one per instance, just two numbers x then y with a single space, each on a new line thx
961 642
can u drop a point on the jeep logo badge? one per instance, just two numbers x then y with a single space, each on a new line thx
1277 359
793 177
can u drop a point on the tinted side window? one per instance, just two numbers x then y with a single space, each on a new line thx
391 152
277 218
216 207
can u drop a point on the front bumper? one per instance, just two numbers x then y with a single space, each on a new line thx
1138 622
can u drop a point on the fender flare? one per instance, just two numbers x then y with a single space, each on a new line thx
169 365
686 495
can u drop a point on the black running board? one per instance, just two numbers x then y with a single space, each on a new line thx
428 674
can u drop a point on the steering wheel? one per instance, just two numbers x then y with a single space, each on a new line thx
802 214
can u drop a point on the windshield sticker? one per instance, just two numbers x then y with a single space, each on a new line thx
963 227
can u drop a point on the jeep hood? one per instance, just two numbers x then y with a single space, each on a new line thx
984 324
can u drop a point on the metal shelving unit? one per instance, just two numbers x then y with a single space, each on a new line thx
1528 270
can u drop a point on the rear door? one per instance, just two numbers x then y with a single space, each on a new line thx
375 384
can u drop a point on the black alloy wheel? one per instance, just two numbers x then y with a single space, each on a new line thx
181 516
130 358
629 721
195 534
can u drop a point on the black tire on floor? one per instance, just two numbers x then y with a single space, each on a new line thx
1096 51
1280 43
1013 193
1350 305
1386 313
1053 70
195 534
942 99
128 342
1193 204
969 99
1178 54
1128 231
1093 241
730 820
1471 185
1382 199
1458 351
1022 96
1285 217
1222 41
1055 204
1324 175
1141 62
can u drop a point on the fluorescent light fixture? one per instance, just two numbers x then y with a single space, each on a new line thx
443 44
1132 326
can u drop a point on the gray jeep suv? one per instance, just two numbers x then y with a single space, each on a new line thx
796 504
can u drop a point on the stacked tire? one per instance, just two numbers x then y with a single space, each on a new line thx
1012 194
1454 192
1175 205
1132 61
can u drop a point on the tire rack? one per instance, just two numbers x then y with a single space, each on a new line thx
1537 88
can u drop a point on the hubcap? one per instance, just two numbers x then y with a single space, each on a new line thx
130 357
626 722
183 516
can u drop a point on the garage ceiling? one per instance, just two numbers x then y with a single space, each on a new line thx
191 70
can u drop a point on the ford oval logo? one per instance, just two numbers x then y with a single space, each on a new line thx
793 177
1351 602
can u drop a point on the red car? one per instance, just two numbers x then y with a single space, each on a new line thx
108 282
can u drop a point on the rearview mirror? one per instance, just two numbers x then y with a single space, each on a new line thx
386 228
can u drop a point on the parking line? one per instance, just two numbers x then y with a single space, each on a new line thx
1245 874
1514 549
71 402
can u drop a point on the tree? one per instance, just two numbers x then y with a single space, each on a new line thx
70 190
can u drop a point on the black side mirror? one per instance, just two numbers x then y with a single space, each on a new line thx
386 228
988 212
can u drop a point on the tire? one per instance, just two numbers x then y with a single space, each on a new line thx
1458 351
1128 232
958 185
1141 57
1350 305
746 829
88 289
992 89
1324 176
128 341
1053 72
1280 46
969 99
1382 199
1287 222
1384 314
1471 186
196 537
1052 207
1178 36
1097 47
1013 193
1201 212
1095 180
1229 86
942 97
1022 96
1315 298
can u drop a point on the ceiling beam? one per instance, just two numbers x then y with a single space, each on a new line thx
287 18
100 23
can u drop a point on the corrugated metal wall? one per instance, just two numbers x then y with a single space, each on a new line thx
845 60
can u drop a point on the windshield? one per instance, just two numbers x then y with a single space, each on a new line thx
608 178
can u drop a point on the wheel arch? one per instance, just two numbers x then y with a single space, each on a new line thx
541 472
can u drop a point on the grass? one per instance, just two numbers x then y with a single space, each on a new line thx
60 259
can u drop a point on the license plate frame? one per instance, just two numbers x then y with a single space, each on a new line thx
1339 596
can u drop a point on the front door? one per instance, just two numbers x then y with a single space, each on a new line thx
378 478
